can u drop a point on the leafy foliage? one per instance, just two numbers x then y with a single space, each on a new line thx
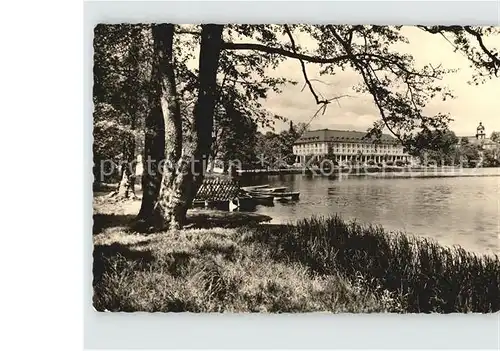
491 157
111 139
495 136
109 133
121 82
472 42
235 137
434 140
122 63
444 148
274 150
399 89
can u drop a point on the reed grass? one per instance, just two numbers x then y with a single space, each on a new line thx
426 276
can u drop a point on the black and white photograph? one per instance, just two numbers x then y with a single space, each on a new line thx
296 168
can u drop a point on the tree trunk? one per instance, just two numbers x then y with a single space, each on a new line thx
169 200
183 173
154 154
154 144
211 43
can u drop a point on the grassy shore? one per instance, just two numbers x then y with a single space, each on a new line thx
425 276
320 264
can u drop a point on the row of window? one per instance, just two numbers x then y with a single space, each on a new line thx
355 145
348 147
346 151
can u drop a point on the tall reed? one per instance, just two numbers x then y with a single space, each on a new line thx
427 276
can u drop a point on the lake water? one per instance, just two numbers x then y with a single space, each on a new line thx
459 210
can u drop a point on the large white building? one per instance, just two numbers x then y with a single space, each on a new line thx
348 146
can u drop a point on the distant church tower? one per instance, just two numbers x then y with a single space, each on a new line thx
480 134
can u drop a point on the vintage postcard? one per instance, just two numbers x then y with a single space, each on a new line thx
296 168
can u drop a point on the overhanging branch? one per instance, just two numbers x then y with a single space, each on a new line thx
281 51
367 78
493 64
495 61
312 59
303 66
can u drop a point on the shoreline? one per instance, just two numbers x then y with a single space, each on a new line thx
211 218
337 265
421 175
370 170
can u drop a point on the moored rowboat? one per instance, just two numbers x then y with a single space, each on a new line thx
294 195
270 190
262 198
254 187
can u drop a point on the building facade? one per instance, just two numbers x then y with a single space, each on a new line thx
345 146
481 139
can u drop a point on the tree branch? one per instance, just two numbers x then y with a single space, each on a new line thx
366 78
495 61
281 51
187 31
303 66
309 58
493 65
439 29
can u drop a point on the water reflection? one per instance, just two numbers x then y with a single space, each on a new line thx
454 210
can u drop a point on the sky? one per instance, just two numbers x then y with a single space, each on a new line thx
473 104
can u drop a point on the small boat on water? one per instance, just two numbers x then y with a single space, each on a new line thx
276 193
254 187
282 199
270 190
262 198
293 195
267 194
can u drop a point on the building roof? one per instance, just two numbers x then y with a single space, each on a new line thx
329 135
218 188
